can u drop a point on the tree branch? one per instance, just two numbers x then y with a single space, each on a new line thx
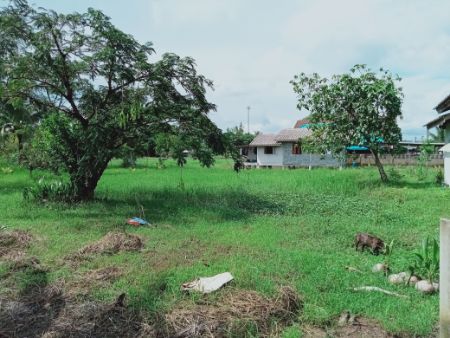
66 82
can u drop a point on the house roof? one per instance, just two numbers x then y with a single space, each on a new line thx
265 140
292 134
446 148
439 121
285 135
444 105
301 123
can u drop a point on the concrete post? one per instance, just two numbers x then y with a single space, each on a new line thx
444 279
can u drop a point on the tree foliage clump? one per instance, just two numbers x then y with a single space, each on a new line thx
356 108
98 89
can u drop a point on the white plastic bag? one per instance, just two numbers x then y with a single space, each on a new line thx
208 284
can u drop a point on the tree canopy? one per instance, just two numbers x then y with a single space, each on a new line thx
98 89
356 108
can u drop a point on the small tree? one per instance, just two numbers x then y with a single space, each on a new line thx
98 88
234 138
356 108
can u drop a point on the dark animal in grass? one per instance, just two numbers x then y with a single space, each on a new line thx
120 300
375 244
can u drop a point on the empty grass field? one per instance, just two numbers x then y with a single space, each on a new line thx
269 228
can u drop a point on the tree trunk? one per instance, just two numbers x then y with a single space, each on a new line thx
20 148
379 165
84 184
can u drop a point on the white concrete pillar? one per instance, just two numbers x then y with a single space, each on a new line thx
444 279
446 154
447 168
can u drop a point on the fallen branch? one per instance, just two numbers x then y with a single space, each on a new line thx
351 268
377 289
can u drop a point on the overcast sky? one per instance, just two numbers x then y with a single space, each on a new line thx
251 49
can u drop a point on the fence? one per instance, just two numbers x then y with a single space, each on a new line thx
406 159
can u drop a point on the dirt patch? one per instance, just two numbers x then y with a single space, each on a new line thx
13 243
234 313
111 243
359 328
48 313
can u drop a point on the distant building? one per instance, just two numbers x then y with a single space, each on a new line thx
443 120
284 150
303 123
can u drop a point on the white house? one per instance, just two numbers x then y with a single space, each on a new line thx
285 150
443 120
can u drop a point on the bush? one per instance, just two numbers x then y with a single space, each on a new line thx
49 191
129 161
439 177
394 175
426 261
44 150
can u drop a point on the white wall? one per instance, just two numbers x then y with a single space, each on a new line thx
270 159
447 168
251 155
306 159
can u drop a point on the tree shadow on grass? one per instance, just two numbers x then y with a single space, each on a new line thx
161 205
39 308
369 184
36 306
412 185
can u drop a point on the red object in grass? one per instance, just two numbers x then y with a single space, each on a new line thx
133 222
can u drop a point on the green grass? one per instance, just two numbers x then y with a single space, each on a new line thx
267 227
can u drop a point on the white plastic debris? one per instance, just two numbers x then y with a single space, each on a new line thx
208 284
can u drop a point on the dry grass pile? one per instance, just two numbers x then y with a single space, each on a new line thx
350 326
111 243
234 313
92 319
103 275
24 263
31 313
12 243
47 312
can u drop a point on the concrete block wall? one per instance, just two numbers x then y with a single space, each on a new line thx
305 160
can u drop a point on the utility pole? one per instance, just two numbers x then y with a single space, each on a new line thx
248 119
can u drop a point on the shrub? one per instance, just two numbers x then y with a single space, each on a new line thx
49 191
439 177
394 175
426 261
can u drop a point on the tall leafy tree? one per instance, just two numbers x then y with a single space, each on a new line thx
357 108
18 122
99 88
